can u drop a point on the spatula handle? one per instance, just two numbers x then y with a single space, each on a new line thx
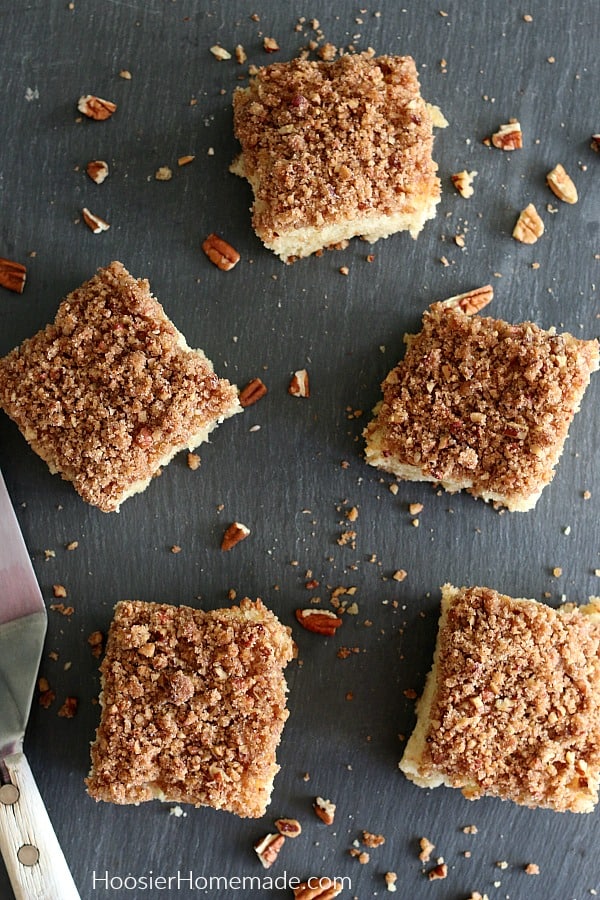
34 861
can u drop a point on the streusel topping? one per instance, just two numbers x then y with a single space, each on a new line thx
516 711
480 399
193 706
328 141
110 388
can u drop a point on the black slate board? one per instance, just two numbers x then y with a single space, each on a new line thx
278 468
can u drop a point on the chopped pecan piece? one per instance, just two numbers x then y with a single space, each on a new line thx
471 302
95 107
595 143
561 185
320 621
508 137
97 169
12 275
253 392
222 254
233 535
288 827
299 385
317 889
463 182
438 872
529 226
325 810
94 223
268 849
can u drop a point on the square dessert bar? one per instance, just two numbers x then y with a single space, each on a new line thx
480 404
110 391
511 707
333 150
193 706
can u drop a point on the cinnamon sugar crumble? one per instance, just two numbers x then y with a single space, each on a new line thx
515 706
480 404
325 143
131 393
193 705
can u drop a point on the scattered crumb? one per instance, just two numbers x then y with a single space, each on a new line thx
390 881
163 173
220 53
372 840
69 708
177 812
59 590
62 609
532 869
96 642
193 461
427 849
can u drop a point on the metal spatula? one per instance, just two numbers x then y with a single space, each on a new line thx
34 860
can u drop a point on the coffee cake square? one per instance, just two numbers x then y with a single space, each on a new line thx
511 707
334 150
193 706
481 405
110 391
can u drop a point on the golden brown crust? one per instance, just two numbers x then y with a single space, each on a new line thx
326 143
482 404
110 391
193 705
515 705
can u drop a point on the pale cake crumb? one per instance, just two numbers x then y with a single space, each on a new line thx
193 706
480 405
110 391
335 150
511 707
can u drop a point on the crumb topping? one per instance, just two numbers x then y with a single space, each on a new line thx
478 399
110 389
193 705
329 141
516 712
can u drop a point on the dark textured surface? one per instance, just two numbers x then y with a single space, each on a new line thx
284 479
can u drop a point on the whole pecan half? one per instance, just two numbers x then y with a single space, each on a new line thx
320 621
